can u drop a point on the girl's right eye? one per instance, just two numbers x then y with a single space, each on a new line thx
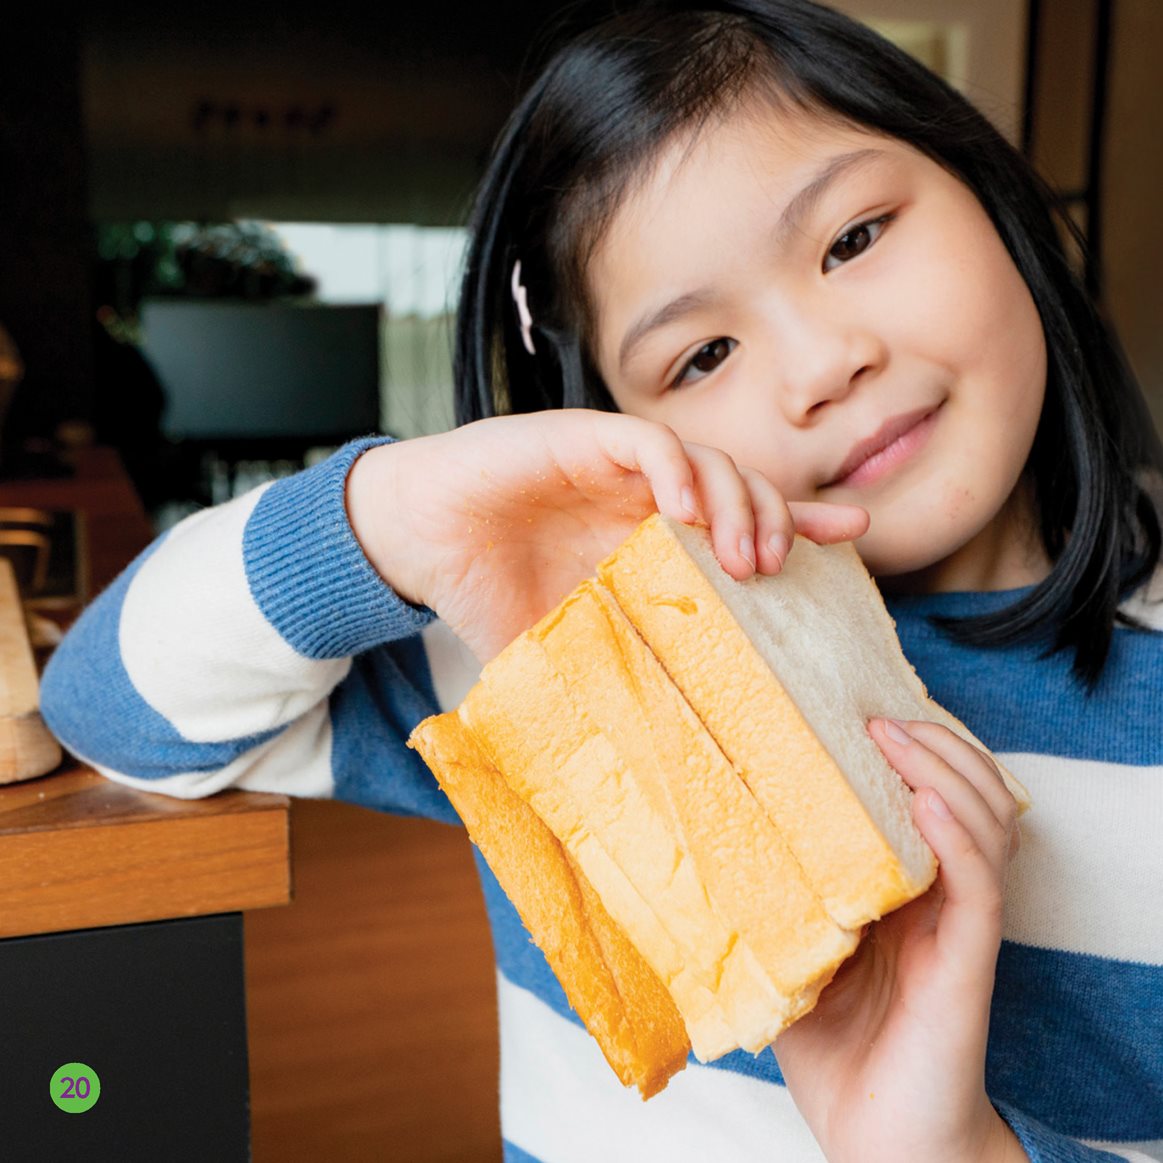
705 361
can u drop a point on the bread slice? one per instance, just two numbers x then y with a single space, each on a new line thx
671 778
618 996
750 659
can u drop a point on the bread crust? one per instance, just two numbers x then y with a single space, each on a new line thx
616 994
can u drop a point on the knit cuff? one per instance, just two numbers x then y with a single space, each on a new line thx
1043 1145
308 573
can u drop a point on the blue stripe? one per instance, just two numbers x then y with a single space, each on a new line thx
1044 1146
89 702
308 573
514 1154
1076 1041
1052 716
385 694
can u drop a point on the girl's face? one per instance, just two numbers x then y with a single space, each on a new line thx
833 308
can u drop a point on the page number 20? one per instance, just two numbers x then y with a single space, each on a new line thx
75 1087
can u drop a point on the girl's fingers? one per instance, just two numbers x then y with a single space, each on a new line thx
689 482
826 523
778 521
970 842
751 523
752 526
978 767
727 508
774 529
657 453
970 922
909 748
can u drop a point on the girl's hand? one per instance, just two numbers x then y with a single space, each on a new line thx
492 524
891 1063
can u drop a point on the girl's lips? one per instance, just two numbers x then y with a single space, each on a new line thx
913 432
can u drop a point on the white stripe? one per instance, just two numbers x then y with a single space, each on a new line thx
296 762
188 611
1089 872
453 666
1147 602
1134 1152
561 1102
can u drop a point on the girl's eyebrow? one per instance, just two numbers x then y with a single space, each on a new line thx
798 208
804 201
667 313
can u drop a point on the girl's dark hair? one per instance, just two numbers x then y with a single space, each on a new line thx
597 116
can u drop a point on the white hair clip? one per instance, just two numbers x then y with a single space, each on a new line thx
521 300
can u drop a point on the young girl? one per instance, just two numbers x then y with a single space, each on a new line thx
742 261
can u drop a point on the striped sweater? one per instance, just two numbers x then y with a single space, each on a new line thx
254 646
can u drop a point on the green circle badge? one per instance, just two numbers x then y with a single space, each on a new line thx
75 1087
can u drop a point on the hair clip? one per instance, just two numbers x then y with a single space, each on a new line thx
521 300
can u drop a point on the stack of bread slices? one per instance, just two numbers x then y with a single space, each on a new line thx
671 777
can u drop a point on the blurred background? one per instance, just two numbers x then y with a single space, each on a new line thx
230 236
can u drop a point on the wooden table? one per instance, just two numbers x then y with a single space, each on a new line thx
121 919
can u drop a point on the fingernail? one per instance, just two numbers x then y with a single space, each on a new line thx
747 550
939 806
896 731
688 502
778 544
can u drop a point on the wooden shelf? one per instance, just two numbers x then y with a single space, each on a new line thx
78 851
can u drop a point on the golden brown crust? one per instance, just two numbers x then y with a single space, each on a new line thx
615 993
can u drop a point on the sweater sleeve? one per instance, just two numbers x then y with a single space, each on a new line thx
1043 1145
253 646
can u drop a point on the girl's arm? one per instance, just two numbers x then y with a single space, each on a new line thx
240 649
270 643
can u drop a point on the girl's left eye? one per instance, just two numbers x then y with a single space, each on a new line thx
856 241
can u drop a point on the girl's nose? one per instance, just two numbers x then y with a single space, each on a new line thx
821 362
